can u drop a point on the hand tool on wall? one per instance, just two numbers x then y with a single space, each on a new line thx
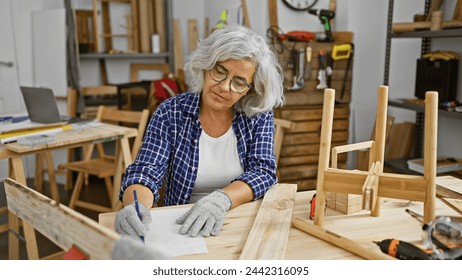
297 36
343 51
323 71
298 68
308 63
324 16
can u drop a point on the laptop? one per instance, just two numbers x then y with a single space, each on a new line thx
41 105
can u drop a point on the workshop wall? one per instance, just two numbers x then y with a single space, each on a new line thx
366 19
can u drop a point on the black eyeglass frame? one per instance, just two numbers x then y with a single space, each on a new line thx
224 70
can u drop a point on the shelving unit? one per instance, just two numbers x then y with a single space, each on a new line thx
164 57
426 37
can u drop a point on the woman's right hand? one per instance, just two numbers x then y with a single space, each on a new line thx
128 223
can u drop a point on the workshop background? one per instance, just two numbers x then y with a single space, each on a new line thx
366 19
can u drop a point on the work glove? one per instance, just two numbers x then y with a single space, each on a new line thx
128 223
127 248
207 215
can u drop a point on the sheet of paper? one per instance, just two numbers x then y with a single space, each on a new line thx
164 234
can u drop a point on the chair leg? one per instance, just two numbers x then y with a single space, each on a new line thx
76 190
109 187
39 168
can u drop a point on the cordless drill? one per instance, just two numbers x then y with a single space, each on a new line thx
402 250
324 16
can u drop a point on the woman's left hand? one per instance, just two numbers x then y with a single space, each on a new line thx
206 216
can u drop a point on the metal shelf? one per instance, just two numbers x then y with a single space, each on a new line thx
446 33
400 103
123 55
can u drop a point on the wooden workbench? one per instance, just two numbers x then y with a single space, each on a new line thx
361 227
14 153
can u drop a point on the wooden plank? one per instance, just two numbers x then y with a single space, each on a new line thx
177 46
160 24
193 34
151 17
305 160
399 27
206 27
342 242
134 28
77 137
444 192
400 140
273 12
435 5
457 11
269 234
455 204
400 186
144 26
245 13
299 172
62 225
290 139
311 113
307 126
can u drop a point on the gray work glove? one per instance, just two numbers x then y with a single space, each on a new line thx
206 216
128 223
127 248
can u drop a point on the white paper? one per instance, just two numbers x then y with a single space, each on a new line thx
164 234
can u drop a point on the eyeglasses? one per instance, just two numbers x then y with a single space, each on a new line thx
237 84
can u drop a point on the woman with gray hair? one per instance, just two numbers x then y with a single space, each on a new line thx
214 144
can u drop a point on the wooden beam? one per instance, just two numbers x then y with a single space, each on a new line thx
177 46
339 241
268 237
160 24
62 225
245 13
273 13
193 34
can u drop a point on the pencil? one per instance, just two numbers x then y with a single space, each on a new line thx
137 207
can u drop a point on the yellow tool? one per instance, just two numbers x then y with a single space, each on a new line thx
342 51
223 19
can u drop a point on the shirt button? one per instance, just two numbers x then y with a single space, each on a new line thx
193 168
195 140
185 196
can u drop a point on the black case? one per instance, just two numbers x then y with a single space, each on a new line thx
438 75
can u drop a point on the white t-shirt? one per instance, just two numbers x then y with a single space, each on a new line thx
219 163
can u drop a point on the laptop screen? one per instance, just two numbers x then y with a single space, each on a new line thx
41 105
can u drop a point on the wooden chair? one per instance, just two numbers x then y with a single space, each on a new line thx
95 96
104 165
374 183
136 92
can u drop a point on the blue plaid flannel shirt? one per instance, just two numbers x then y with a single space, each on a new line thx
171 147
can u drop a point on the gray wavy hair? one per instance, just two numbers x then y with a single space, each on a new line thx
235 42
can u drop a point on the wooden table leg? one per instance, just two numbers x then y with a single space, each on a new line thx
123 158
52 176
16 170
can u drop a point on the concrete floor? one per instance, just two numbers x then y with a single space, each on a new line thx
94 192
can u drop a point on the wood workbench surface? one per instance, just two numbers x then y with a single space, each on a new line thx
361 227
74 136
